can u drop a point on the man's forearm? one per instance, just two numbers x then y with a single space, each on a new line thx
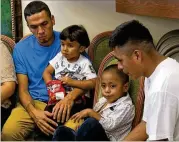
27 102
138 133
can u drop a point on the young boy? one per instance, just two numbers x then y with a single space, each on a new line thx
70 68
111 118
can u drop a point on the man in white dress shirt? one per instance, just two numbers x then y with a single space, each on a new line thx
134 48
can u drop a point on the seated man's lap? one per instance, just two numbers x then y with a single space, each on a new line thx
76 108
19 124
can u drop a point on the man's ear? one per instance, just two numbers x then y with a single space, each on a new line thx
137 55
82 49
126 87
53 19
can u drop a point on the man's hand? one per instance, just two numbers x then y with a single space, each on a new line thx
42 121
62 109
67 81
80 115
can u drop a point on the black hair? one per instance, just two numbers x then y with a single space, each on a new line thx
130 31
114 67
36 7
76 33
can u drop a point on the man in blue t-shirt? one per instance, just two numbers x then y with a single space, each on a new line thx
31 56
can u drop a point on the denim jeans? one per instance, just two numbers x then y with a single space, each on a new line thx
90 130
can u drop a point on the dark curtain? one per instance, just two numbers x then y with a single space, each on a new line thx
18 20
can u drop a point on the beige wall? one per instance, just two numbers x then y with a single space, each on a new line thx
98 16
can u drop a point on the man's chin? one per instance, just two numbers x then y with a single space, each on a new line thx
43 41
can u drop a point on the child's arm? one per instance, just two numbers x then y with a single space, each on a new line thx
82 84
47 74
86 113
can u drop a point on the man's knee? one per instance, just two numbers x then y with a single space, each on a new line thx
10 133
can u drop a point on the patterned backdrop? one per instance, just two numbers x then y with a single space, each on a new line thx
6 18
11 19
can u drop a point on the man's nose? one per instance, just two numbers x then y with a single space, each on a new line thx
40 30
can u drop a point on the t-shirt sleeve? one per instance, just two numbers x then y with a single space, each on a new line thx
55 61
88 70
161 115
19 61
7 65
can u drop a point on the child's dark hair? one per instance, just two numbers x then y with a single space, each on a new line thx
76 33
130 31
36 7
124 77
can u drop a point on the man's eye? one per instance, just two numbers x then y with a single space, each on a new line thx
44 23
33 27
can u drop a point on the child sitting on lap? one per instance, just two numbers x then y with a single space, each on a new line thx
111 118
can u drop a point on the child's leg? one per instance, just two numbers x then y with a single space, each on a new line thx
91 130
63 133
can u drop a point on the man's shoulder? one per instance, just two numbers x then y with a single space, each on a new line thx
57 34
171 64
168 67
25 42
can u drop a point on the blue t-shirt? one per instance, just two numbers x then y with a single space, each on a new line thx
31 59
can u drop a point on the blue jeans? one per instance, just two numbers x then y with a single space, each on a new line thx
90 130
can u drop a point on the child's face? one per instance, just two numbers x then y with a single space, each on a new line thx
71 50
112 87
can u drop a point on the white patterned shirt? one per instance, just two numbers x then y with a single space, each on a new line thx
117 117
81 69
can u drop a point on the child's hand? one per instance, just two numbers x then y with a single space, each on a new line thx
67 80
80 115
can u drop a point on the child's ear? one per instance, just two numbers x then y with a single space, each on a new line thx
82 49
126 87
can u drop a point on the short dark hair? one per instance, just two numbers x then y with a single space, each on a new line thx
36 7
76 33
114 67
130 31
